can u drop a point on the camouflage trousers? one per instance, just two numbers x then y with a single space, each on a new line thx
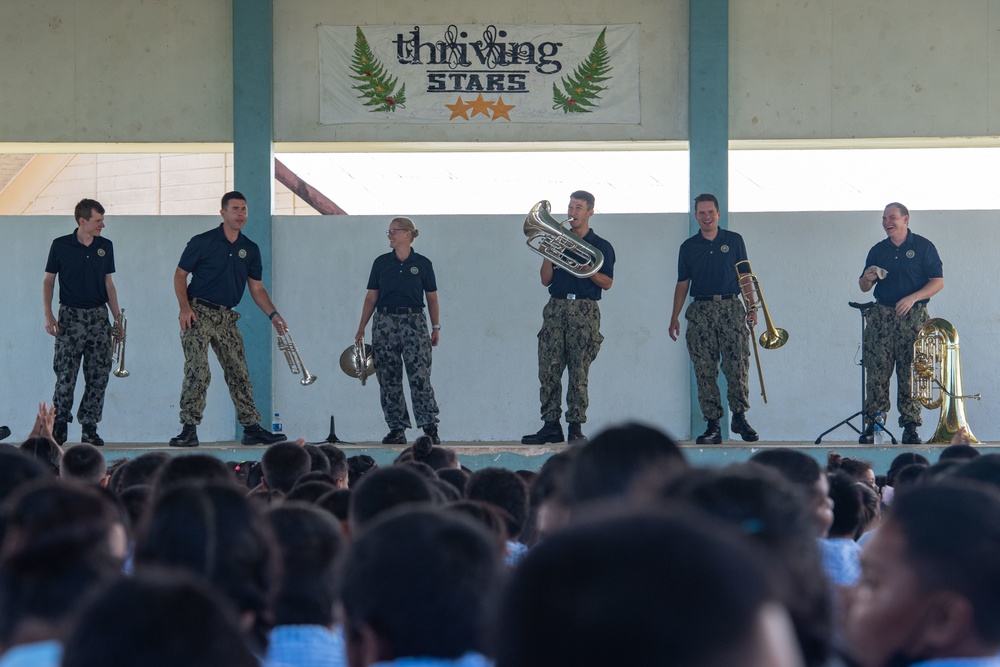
84 334
717 332
569 340
889 344
398 341
218 329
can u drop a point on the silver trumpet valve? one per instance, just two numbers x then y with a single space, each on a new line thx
295 364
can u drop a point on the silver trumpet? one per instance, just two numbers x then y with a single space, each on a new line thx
555 243
118 344
295 364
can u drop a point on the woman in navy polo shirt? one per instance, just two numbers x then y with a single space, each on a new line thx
398 282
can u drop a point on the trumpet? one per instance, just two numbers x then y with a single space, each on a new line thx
771 339
558 245
357 361
295 364
118 344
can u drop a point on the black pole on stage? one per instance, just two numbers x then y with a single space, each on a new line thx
862 308
332 439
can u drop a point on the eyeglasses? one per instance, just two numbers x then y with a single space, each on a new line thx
393 232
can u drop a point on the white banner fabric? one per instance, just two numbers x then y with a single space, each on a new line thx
479 74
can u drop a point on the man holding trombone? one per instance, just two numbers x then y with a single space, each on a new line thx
717 320
84 262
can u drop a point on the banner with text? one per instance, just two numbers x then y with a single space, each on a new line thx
484 74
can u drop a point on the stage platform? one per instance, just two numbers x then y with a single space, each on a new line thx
515 456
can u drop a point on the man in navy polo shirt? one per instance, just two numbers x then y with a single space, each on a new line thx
571 331
222 261
84 262
717 320
911 273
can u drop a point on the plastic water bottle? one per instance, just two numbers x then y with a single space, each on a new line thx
878 428
276 424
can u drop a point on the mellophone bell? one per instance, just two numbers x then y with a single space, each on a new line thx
936 378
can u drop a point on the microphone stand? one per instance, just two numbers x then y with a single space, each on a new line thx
863 308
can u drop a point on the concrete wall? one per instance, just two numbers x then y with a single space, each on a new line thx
485 370
91 71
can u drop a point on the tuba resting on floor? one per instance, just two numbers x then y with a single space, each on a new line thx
936 367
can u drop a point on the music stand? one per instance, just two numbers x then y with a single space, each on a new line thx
863 308
332 439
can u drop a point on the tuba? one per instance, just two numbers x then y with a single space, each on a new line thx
118 344
771 339
295 364
357 361
936 366
558 245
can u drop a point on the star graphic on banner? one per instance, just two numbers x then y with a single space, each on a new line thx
500 109
459 109
480 106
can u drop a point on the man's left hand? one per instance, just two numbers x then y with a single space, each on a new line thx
904 305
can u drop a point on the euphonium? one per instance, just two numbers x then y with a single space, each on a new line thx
936 365
558 245
118 344
357 361
295 364
771 339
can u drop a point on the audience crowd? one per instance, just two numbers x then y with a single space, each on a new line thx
616 551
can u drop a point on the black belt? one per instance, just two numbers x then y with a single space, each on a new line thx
399 310
208 304
571 297
716 297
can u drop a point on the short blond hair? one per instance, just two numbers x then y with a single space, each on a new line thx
407 224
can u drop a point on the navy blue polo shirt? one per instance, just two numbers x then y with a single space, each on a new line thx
82 270
401 284
219 268
564 282
710 265
910 267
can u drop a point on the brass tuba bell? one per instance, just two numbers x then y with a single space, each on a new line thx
552 241
357 361
936 378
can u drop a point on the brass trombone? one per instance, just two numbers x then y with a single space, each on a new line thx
118 344
771 339
295 364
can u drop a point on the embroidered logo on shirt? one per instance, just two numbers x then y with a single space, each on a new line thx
724 248
100 252
910 254
414 270
242 253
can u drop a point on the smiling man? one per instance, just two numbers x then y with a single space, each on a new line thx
716 332
84 262
222 262
906 272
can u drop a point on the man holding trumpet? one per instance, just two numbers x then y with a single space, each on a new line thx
717 320
84 262
222 261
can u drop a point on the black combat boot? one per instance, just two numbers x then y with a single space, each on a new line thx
575 434
90 436
868 436
712 434
188 437
256 435
550 432
910 435
432 433
739 425
60 431
396 436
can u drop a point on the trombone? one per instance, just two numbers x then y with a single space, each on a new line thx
771 339
118 344
295 364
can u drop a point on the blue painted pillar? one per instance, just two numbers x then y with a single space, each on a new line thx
708 132
253 172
